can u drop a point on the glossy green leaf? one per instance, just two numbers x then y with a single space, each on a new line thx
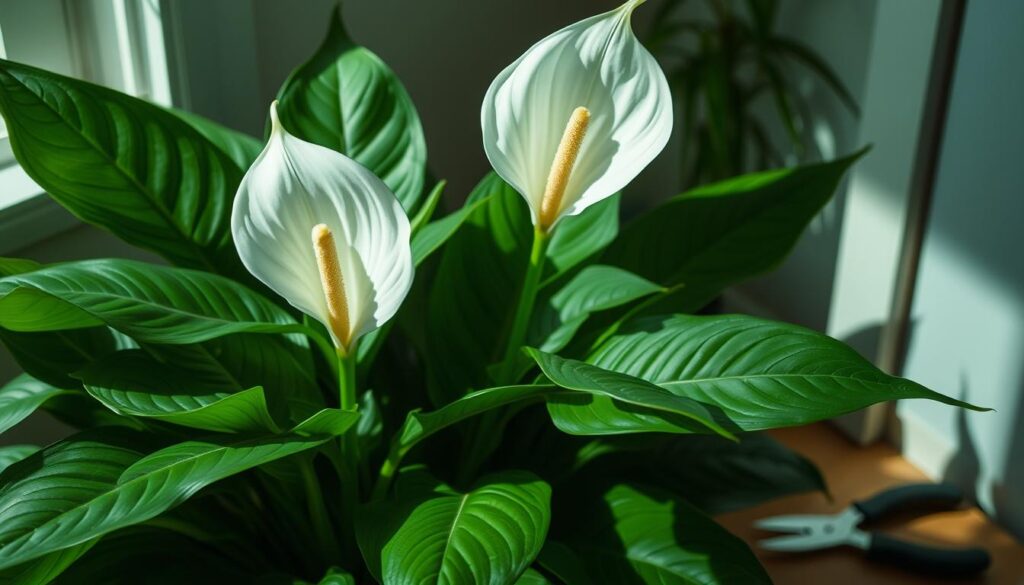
434 234
713 474
46 568
11 454
337 576
575 413
636 534
9 266
420 425
132 383
150 303
753 373
582 236
595 288
47 505
475 290
125 165
21 397
431 533
52 356
282 367
241 148
159 304
560 561
726 232
532 577
347 99
426 211
155 556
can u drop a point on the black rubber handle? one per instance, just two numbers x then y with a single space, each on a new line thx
913 497
944 562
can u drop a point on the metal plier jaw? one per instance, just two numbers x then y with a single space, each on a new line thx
819 531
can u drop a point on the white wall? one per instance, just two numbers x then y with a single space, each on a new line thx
840 31
968 311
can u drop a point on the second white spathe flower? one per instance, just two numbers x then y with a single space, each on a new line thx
325 233
578 116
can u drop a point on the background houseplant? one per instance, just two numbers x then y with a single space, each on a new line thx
725 69
209 407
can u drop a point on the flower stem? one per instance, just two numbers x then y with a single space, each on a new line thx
476 449
349 447
524 309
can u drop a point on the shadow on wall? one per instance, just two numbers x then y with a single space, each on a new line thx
1008 491
964 468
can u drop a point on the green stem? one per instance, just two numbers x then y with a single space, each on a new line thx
347 378
328 543
524 309
387 472
349 447
479 449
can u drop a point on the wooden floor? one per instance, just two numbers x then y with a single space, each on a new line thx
856 473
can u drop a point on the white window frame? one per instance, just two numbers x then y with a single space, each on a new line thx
116 43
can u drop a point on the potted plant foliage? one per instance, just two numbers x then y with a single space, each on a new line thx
331 381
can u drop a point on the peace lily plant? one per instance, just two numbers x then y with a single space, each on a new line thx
326 379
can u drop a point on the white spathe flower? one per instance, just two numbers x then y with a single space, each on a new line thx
325 233
578 116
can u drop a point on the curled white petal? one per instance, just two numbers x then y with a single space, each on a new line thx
294 186
596 63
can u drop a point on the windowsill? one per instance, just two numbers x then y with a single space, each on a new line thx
854 473
27 215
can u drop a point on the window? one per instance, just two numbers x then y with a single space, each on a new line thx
116 43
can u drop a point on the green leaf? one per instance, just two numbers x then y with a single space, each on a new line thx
124 165
577 415
434 234
753 373
560 561
11 454
432 534
9 266
582 236
532 577
156 304
241 148
480 277
46 505
595 288
52 356
347 99
21 397
420 425
154 556
131 383
475 290
715 475
338 576
726 232
637 534
426 211
45 568
164 305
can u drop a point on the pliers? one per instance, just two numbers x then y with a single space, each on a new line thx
818 531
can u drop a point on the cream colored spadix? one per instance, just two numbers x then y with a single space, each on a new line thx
323 232
531 116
